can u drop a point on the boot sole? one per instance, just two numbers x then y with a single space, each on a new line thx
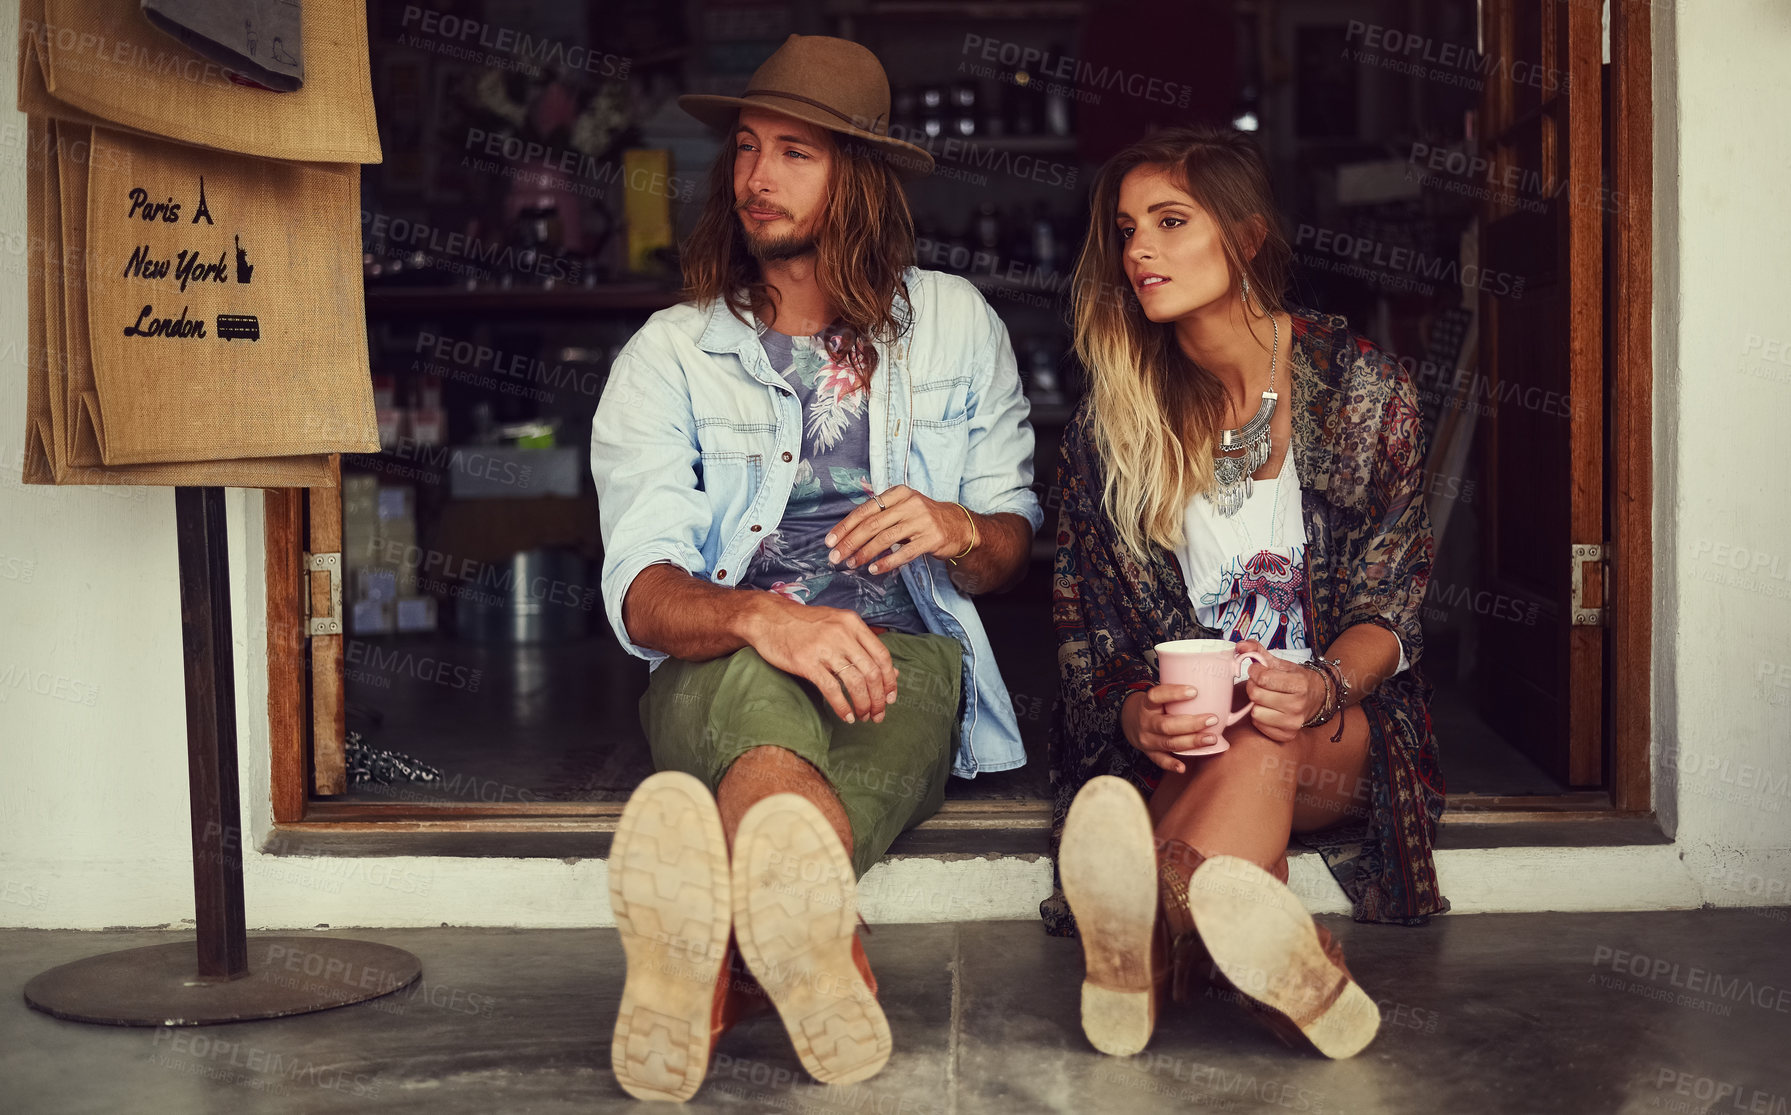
1108 864
1261 937
670 890
795 915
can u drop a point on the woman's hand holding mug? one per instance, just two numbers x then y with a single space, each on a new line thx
1188 712
1286 694
1153 729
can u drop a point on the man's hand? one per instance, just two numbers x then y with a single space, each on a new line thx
905 527
1287 695
1156 733
831 647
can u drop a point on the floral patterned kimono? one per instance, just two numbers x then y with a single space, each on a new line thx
1358 443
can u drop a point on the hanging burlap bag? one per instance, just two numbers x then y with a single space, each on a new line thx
101 62
224 305
64 416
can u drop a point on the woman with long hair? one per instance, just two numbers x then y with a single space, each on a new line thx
1249 471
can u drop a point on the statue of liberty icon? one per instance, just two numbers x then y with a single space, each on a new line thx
243 267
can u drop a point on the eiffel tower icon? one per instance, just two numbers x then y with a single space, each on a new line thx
203 211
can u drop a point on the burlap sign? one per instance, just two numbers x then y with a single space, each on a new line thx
62 402
224 306
101 62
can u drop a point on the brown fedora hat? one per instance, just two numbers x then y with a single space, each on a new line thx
832 83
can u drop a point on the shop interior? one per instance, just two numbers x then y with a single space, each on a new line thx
524 224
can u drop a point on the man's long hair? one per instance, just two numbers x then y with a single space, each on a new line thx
1155 412
864 241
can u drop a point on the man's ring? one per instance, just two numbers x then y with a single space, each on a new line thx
881 506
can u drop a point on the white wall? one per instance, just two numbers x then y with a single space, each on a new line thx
93 805
1722 396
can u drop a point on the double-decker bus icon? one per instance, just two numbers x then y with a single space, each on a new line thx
232 326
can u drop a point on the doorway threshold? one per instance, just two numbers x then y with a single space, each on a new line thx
574 831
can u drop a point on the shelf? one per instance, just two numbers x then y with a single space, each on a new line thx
1017 145
615 297
1035 10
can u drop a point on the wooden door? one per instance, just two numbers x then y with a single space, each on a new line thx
1542 356
324 576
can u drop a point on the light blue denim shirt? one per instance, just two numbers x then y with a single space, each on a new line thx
696 441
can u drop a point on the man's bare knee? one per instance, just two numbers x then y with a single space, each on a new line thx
768 769
770 754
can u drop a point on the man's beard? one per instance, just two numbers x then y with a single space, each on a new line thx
779 249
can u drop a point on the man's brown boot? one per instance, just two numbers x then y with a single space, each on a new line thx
1285 968
738 996
795 918
670 890
1107 861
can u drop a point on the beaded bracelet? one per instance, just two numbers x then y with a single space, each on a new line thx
1335 666
1326 709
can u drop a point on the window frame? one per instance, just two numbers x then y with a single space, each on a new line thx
1622 810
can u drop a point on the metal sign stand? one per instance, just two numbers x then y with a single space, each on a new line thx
235 978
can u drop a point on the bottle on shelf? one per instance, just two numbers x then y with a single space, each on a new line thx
1042 385
988 228
963 108
1020 104
537 232
1060 112
932 111
1045 252
901 110
1016 247
992 111
960 245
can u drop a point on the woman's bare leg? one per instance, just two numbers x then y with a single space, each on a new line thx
1238 928
1247 801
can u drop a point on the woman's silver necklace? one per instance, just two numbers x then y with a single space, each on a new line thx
1254 437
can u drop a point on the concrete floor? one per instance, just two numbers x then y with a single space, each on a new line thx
1526 1013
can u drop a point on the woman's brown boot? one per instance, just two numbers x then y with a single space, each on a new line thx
1190 966
1286 969
1107 861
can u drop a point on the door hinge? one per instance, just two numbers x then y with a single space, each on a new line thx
1584 552
331 623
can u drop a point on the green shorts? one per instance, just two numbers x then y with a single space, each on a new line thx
701 716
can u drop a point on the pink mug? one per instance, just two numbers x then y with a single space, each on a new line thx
1211 666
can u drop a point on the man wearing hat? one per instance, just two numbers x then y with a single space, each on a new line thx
806 472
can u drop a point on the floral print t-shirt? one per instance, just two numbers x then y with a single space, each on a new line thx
1246 573
832 477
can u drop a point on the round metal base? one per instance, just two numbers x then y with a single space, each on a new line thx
159 985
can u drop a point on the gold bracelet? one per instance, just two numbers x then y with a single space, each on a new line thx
975 535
